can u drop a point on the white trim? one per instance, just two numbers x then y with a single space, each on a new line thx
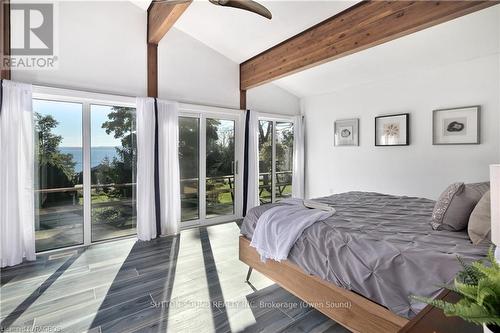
203 112
276 117
202 164
69 95
87 186
86 100
198 108
273 119
79 246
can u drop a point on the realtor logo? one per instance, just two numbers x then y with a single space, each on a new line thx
33 36
32 29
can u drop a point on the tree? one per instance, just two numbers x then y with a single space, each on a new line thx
284 147
121 124
220 149
55 168
189 147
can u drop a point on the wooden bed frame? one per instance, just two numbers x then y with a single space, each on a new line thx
363 314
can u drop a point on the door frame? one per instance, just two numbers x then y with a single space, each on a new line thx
202 112
274 118
86 99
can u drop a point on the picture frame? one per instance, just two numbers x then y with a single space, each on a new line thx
346 132
457 126
392 130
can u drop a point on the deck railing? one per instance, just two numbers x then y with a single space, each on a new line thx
215 186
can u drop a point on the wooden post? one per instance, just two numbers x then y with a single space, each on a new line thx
152 70
5 39
243 99
161 17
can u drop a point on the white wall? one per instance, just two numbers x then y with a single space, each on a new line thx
453 64
190 71
101 48
420 169
270 98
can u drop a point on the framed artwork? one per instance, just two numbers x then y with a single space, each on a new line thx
392 130
457 126
346 132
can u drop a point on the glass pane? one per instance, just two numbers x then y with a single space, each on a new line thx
189 141
220 167
59 178
284 159
113 156
265 160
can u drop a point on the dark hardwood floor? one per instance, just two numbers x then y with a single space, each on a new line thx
193 282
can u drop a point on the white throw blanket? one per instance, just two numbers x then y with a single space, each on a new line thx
278 228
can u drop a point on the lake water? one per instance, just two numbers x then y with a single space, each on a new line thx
97 154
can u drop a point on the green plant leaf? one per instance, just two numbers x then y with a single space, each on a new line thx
479 284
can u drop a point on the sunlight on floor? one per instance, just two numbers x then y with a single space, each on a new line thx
232 276
203 290
190 291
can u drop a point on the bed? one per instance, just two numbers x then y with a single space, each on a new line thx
374 252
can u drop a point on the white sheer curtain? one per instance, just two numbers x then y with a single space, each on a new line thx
298 158
17 208
168 157
253 161
146 124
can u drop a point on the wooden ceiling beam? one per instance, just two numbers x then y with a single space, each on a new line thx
161 17
364 25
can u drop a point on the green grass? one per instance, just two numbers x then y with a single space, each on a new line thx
222 198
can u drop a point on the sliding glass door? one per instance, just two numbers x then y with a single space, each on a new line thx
266 161
189 165
275 160
209 167
112 171
59 174
220 167
283 160
85 171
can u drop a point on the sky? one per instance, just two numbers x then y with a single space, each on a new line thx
69 116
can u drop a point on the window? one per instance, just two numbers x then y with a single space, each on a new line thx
85 168
265 161
275 160
59 174
113 168
208 150
283 159
220 165
189 150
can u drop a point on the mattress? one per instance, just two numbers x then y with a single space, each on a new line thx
381 247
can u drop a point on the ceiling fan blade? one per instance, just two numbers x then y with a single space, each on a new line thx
248 5
171 2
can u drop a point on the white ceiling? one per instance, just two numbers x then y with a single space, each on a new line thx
142 4
466 38
239 35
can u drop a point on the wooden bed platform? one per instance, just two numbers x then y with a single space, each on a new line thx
363 314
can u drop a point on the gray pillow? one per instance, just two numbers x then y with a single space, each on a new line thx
479 227
454 206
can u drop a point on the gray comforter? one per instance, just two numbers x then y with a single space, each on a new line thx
379 246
